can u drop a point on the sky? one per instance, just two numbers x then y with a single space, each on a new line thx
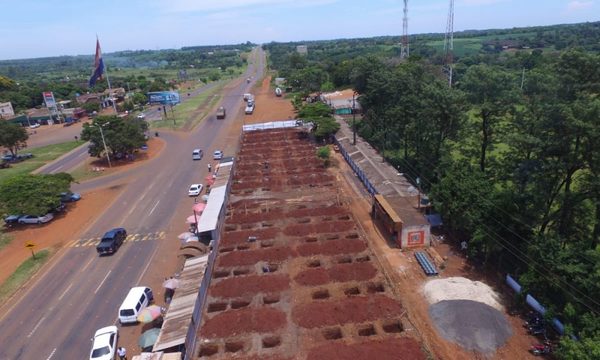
39 28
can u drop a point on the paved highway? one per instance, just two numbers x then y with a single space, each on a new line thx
81 292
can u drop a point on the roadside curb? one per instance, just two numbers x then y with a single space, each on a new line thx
42 168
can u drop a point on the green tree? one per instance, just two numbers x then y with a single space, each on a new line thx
139 98
13 137
323 153
492 93
90 107
122 136
33 194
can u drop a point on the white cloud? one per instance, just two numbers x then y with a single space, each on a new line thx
222 5
576 5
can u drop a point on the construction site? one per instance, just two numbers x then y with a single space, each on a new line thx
294 277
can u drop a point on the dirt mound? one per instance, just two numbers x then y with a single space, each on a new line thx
357 309
389 349
460 288
473 325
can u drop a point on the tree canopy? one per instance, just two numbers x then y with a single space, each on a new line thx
122 136
33 194
13 137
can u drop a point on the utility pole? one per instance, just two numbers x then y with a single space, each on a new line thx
449 44
104 142
404 47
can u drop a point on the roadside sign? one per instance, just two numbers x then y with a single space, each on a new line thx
29 245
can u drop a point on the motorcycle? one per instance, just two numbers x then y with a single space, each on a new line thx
540 349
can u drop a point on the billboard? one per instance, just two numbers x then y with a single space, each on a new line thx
49 99
164 97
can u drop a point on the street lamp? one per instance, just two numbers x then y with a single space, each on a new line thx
104 142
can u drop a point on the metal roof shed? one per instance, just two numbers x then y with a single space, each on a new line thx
179 314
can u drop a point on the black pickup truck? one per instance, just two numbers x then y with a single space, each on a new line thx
111 241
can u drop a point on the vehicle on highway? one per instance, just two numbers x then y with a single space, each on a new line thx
221 113
248 96
217 155
249 107
32 219
195 190
197 154
136 300
69 197
111 241
104 343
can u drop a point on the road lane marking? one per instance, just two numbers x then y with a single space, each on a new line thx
64 292
36 327
86 265
58 168
154 208
82 154
51 354
103 280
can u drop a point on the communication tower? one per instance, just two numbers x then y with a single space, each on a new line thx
449 44
404 48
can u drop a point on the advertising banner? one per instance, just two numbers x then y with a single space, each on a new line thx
164 97
49 99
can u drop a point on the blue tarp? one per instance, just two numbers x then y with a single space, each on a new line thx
434 220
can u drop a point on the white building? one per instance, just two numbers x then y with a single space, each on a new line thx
6 110
302 49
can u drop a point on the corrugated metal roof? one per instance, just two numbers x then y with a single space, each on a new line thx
179 314
210 215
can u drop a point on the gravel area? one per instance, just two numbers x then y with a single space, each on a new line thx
460 288
473 325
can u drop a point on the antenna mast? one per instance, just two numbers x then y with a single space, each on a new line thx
404 48
449 44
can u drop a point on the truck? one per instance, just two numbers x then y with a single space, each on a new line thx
278 92
221 112
248 96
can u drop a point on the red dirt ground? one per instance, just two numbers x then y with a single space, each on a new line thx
234 322
356 309
251 257
337 273
390 349
268 106
333 247
252 284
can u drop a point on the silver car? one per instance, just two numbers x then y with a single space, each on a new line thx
32 219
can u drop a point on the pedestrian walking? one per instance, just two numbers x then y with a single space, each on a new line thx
209 167
122 353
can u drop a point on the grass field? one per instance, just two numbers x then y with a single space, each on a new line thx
23 273
472 45
191 111
41 156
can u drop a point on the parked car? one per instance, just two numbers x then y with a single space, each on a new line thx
141 116
34 126
111 241
217 155
195 190
32 219
59 208
16 158
11 220
104 343
249 107
69 196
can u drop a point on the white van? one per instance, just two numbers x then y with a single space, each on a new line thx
138 298
197 154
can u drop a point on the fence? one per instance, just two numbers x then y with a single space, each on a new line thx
361 175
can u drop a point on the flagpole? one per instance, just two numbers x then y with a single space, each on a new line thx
108 82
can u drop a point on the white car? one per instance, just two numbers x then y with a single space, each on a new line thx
34 126
217 155
105 344
31 219
141 116
195 190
